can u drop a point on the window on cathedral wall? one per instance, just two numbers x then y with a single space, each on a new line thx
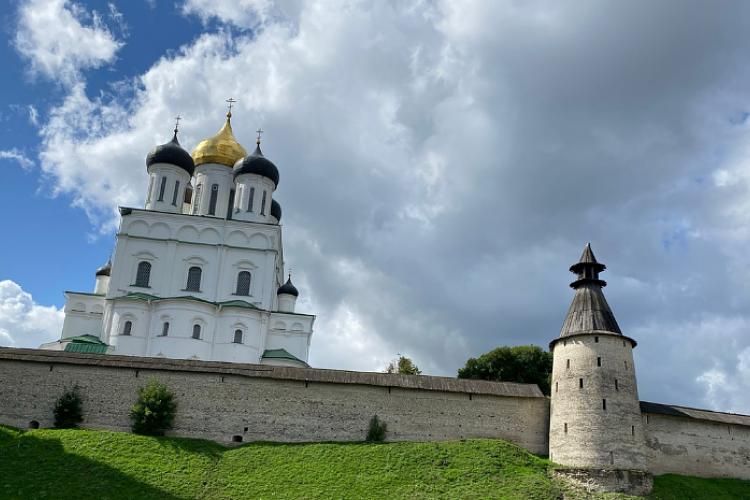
162 188
197 331
243 283
212 199
237 337
127 327
165 329
149 194
143 274
194 279
263 204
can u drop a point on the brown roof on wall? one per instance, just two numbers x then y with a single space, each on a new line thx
694 413
423 382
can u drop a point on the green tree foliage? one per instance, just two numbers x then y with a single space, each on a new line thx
68 411
154 411
528 364
376 431
403 365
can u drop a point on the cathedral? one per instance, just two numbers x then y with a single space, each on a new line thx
199 272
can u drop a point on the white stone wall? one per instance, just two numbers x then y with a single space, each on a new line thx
595 437
693 447
259 212
206 176
171 201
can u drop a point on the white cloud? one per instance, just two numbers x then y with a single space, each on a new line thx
24 323
17 156
60 38
727 386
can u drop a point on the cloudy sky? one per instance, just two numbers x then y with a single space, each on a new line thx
442 163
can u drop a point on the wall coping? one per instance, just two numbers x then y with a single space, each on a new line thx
695 413
418 382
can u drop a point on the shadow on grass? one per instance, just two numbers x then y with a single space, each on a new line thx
36 468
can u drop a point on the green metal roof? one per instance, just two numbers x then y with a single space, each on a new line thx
86 344
280 354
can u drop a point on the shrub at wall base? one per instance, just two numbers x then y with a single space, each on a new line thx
154 411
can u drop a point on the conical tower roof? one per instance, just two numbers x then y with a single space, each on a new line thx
589 311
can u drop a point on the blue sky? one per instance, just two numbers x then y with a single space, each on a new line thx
442 165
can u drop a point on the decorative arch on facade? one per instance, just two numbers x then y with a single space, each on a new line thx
210 236
188 233
160 230
259 241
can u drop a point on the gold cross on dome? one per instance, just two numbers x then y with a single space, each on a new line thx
177 123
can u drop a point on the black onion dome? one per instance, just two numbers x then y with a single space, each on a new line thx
173 154
276 209
288 288
105 270
257 164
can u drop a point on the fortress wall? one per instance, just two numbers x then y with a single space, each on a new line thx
696 447
220 400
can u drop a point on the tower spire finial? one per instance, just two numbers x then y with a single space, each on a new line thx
231 101
176 125
587 268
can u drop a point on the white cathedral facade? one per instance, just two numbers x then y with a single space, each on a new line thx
199 272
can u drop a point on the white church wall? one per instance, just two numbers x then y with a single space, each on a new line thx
206 176
261 185
176 180
83 314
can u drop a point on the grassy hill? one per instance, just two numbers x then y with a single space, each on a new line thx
105 465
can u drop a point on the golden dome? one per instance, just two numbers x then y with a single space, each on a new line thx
222 148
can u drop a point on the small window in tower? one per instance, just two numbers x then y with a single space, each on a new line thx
194 279
565 427
604 404
243 283
143 274
632 430
596 339
251 200
165 329
176 192
567 364
556 387
127 328
598 361
197 331
162 188
580 383
197 198
623 343
212 200
565 342
626 365
263 204
237 337
617 386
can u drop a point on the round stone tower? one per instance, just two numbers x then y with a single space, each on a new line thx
595 418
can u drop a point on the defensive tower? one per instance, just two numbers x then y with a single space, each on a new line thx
595 419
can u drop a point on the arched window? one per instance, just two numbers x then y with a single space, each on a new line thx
143 275
197 331
251 201
127 328
162 188
194 279
263 204
212 200
243 283
237 337
149 194
165 329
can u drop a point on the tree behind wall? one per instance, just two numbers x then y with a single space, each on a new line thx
404 366
528 364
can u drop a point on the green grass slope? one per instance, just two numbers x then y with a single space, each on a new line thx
84 464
